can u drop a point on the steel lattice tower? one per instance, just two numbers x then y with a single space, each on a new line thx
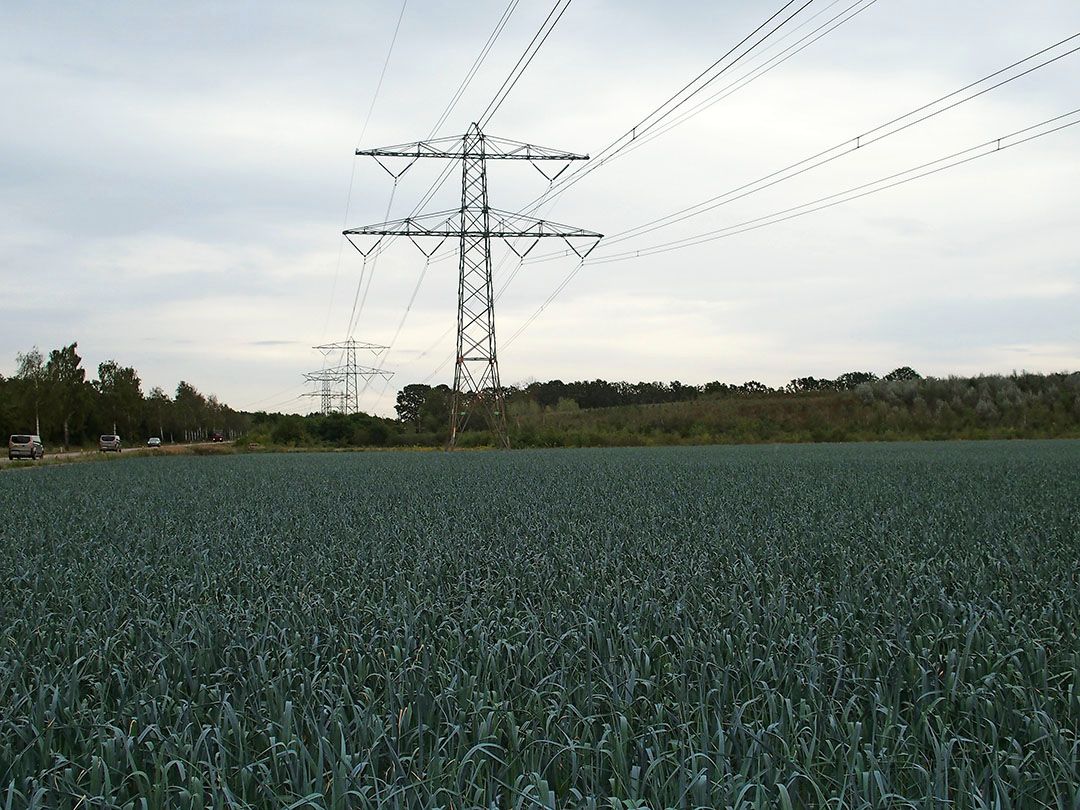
347 373
474 225
327 382
476 372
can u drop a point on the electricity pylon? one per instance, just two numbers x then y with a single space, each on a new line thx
347 373
327 382
474 225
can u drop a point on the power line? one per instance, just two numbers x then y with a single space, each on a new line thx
850 145
382 73
447 170
562 285
283 403
826 28
397 332
674 102
726 91
539 38
253 403
851 194
962 157
523 62
846 147
354 315
471 73
822 30
352 170
990 147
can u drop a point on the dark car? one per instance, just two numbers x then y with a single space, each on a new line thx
217 436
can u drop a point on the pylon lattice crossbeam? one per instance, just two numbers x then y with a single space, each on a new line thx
477 387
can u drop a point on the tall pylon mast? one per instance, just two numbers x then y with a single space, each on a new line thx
477 386
347 373
476 372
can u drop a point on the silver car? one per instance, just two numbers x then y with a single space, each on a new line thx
109 442
25 445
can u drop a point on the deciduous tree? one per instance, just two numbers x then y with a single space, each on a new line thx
66 382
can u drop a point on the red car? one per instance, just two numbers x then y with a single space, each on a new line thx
217 436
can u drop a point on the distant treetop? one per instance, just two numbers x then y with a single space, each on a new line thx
902 373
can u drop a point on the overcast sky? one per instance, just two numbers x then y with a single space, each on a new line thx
174 180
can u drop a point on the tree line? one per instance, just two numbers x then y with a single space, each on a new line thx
51 395
426 408
1019 405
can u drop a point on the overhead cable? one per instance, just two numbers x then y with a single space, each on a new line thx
860 141
848 146
681 97
981 150
352 170
524 61
990 147
471 73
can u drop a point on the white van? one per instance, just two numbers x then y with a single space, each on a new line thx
25 445
109 442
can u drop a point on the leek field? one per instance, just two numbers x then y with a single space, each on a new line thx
842 626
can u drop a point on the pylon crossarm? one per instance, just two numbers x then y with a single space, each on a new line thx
443 224
327 348
485 146
439 223
338 373
508 149
435 147
510 222
328 375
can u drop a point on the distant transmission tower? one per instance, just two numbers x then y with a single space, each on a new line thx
327 387
474 225
346 374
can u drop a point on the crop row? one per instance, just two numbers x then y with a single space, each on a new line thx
842 626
